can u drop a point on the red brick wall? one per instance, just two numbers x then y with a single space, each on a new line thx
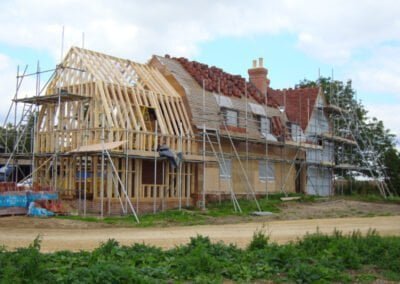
258 76
94 206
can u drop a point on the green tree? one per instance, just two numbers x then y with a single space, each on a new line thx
392 163
377 143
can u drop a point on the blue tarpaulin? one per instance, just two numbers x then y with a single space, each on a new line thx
33 196
38 212
27 200
13 200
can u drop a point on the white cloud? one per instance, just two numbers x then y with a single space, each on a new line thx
380 73
7 82
8 86
389 114
331 31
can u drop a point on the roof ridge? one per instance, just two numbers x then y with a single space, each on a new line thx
219 81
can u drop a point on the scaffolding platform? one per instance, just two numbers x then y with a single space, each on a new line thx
52 99
21 159
330 136
333 109
350 167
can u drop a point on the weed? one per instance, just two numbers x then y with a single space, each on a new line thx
260 241
315 258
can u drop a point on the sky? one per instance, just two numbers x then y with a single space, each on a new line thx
351 39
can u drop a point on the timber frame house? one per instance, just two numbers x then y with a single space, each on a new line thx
99 124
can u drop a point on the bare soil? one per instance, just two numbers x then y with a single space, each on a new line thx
294 221
329 208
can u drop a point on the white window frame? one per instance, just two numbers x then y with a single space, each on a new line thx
266 171
228 164
297 133
265 128
230 115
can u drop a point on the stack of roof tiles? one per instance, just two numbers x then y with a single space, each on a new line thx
298 103
218 81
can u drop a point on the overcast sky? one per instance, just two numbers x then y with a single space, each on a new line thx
358 40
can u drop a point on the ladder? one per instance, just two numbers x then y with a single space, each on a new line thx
222 164
21 135
24 129
247 181
370 158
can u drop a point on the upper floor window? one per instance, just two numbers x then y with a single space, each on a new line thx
231 117
265 125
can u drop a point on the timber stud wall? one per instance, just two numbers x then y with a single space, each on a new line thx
126 109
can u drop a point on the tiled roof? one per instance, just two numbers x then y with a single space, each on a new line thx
229 85
299 103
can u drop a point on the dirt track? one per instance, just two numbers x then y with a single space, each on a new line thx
70 236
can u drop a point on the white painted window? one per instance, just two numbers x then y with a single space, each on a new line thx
265 128
231 117
265 125
297 133
225 168
266 170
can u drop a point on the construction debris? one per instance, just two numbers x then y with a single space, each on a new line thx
27 202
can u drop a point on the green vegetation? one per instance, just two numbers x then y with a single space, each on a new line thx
194 216
369 132
222 212
372 198
316 258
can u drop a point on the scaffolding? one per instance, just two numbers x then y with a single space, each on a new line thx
96 125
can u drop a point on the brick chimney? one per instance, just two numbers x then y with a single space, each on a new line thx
258 76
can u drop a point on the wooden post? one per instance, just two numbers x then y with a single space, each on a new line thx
155 169
204 149
102 169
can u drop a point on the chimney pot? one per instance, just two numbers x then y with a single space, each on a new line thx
258 76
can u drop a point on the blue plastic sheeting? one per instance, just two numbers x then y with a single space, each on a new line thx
38 212
20 200
23 199
33 196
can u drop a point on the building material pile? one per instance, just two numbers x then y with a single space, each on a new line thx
33 203
229 85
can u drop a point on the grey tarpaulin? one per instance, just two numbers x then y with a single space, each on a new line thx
164 151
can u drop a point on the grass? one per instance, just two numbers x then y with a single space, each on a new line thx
219 212
376 198
188 216
317 258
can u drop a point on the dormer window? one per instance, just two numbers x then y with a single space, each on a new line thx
265 125
231 117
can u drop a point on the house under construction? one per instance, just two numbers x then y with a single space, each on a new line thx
101 122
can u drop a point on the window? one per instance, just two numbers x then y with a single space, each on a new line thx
257 109
289 128
231 117
265 125
297 133
223 101
225 168
266 170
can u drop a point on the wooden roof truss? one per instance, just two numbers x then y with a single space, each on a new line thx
118 89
